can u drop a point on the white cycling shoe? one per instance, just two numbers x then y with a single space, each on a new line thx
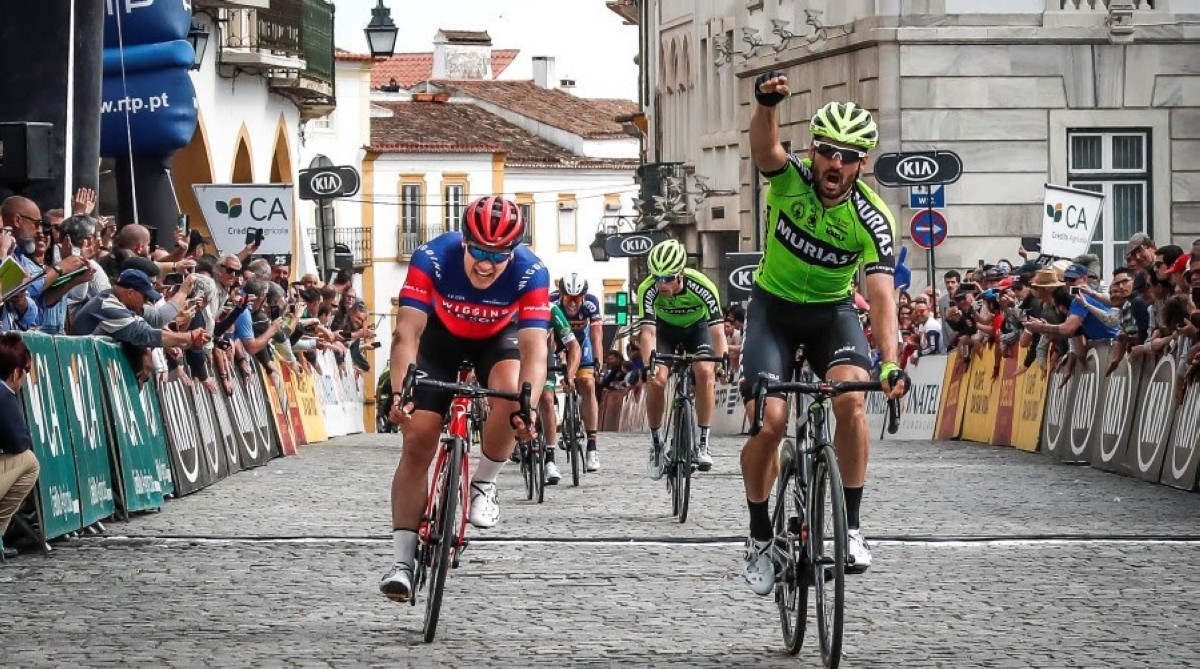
397 583
759 567
552 475
485 505
860 553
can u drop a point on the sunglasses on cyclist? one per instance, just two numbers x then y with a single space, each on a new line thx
665 278
830 151
494 257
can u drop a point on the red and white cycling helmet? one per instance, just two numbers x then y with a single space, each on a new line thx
494 222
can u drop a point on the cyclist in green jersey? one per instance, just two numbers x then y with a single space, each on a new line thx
823 223
678 308
560 334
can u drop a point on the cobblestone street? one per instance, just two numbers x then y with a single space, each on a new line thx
278 566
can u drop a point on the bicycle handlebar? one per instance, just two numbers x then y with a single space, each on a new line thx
469 390
674 359
822 390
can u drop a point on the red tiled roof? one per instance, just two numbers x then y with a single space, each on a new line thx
593 118
351 57
455 127
410 69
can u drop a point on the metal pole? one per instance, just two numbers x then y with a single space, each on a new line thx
329 237
321 260
932 273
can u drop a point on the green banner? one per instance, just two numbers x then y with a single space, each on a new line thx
158 438
85 420
57 484
138 470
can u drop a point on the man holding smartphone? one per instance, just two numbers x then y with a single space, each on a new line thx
1073 305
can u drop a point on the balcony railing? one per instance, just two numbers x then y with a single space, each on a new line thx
353 242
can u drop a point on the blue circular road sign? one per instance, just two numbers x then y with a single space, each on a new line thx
928 228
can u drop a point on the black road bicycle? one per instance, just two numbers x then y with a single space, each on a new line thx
809 515
682 436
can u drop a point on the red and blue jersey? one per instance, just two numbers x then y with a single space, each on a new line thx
588 313
437 284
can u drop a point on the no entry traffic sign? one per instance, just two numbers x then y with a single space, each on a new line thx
928 228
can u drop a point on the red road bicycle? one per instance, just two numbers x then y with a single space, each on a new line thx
442 533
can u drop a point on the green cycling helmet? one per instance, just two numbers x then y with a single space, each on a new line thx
846 123
667 258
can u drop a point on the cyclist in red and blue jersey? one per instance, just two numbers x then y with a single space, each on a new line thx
582 310
478 297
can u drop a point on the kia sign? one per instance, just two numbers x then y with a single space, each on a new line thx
633 244
918 168
322 183
738 269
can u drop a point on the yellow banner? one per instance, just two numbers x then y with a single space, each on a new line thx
310 411
1029 405
983 398
950 410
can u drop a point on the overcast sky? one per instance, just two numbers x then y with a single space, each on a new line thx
588 41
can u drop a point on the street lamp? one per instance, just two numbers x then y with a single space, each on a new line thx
198 36
381 32
599 253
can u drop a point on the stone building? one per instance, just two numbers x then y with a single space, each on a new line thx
1102 95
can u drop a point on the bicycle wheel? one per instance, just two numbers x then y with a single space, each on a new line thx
524 453
573 438
538 466
687 461
788 518
442 536
827 543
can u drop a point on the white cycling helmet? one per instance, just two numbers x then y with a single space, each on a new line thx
573 285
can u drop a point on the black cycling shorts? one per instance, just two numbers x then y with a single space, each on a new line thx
694 339
441 354
775 328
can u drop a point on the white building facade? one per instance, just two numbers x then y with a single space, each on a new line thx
1027 92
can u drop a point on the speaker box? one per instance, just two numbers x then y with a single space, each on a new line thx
25 151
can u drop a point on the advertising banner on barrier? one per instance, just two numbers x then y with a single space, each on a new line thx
278 399
918 409
328 388
180 422
212 444
1117 414
295 420
139 487
950 409
1006 405
84 415
1152 425
58 484
1029 405
231 461
260 411
1183 449
982 399
158 437
311 415
1056 423
729 418
253 450
352 398
1083 439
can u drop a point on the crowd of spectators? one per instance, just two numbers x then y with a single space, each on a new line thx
1057 307
186 313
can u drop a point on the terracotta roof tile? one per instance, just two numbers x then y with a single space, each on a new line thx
351 57
454 127
593 118
410 69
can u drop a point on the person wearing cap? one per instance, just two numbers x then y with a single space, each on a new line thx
1174 272
1140 251
116 313
960 317
1078 319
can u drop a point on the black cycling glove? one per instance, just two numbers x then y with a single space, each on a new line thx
767 99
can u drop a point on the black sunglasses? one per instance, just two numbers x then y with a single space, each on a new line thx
830 151
229 269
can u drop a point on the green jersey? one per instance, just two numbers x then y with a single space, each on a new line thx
812 252
560 327
698 302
